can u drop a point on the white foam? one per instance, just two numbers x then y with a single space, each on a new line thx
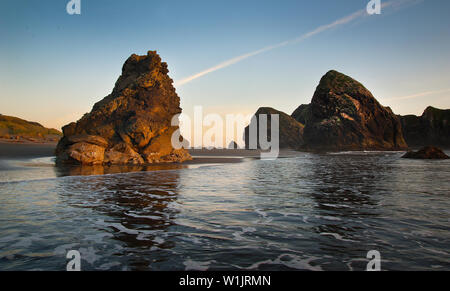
289 260
336 236
142 216
196 265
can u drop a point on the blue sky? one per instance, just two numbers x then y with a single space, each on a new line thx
55 66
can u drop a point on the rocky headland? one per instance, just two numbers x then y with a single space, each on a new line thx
14 129
433 127
342 115
132 125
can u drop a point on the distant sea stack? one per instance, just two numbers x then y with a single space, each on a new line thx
233 145
17 129
290 134
344 115
132 125
433 127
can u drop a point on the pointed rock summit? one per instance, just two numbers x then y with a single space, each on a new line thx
344 115
132 125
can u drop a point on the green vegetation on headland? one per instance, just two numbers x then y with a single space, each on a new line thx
16 129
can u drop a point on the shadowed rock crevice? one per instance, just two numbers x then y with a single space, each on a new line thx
132 125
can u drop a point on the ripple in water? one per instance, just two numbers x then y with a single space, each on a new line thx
310 212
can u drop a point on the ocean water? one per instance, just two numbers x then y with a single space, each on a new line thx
308 212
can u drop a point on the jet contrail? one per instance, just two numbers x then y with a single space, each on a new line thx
341 21
419 95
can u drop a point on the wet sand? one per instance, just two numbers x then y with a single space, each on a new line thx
19 154
11 150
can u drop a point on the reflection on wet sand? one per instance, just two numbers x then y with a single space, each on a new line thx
308 212
345 192
344 182
96 170
335 194
138 208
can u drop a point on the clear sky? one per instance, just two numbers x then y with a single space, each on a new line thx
55 66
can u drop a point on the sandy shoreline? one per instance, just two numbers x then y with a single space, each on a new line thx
20 155
31 156
14 155
11 150
28 150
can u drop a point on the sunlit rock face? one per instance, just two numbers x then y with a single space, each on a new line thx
132 125
344 115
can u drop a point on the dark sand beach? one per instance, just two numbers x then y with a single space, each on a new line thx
39 157
13 150
30 150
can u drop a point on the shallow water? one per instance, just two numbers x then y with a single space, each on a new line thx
309 212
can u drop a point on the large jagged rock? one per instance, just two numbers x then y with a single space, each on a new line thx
343 115
290 130
132 125
433 127
427 153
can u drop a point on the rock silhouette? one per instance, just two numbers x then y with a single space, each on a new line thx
132 125
233 145
290 131
344 115
428 152
433 127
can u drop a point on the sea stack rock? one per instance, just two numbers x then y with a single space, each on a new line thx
132 125
233 145
290 130
428 153
433 127
344 115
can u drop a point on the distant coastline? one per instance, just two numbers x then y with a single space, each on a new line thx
18 130
26 149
